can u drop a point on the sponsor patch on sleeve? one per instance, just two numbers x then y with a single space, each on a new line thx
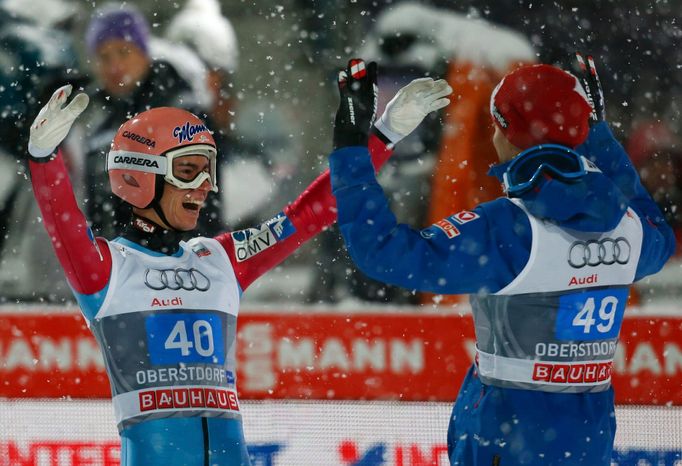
252 241
201 250
464 216
448 228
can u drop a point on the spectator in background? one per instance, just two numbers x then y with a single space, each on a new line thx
250 167
129 81
37 55
202 28
656 152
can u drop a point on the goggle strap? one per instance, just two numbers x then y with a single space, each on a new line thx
127 160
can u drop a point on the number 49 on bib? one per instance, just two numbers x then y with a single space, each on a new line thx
591 315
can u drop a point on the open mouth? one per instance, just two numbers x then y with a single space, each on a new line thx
192 205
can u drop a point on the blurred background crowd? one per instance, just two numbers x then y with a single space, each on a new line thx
262 74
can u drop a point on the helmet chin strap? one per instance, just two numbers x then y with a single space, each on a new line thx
156 202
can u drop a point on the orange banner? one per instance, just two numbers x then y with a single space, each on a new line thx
328 355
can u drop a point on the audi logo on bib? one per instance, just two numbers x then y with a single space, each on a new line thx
176 279
606 251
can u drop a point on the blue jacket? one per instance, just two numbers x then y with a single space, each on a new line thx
491 250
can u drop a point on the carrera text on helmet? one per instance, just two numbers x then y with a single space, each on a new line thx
141 139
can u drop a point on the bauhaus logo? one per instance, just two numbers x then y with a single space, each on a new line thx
188 398
584 373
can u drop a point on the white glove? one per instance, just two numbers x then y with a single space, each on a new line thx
54 122
410 105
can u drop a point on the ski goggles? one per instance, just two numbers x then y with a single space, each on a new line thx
185 168
526 170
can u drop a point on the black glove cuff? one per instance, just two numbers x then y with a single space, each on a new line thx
350 138
382 137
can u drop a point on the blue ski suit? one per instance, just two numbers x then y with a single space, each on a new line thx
548 278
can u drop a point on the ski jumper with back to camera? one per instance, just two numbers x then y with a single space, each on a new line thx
547 299
547 269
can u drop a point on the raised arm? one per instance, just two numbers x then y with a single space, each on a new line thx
601 146
659 239
463 253
86 261
608 154
256 250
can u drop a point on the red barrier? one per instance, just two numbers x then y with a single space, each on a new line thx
73 453
323 355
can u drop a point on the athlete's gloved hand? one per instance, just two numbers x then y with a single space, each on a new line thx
411 105
358 106
54 122
587 73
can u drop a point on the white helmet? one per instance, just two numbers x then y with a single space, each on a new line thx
201 26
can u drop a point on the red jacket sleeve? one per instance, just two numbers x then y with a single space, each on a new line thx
86 261
256 250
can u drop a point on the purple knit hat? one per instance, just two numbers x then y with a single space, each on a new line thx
117 22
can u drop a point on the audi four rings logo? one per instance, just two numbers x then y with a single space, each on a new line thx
607 251
176 279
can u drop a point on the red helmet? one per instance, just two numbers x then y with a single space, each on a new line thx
541 104
146 145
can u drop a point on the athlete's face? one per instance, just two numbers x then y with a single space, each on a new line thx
182 206
505 149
